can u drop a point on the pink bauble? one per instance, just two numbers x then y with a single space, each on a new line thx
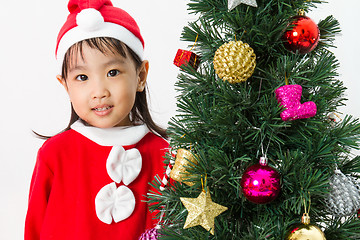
260 183
151 234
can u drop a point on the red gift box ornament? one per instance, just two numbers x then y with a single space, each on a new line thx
184 57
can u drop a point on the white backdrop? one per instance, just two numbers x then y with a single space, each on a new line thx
34 100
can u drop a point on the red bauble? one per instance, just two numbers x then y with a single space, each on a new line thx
260 183
303 37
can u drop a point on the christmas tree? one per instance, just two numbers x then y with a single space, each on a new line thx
258 142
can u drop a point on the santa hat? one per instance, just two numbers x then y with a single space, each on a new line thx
97 18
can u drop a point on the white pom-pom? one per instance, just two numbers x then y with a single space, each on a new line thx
114 203
89 19
123 165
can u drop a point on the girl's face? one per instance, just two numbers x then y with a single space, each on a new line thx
102 87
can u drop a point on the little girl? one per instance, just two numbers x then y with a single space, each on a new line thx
90 181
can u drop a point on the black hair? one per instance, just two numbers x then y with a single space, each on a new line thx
140 113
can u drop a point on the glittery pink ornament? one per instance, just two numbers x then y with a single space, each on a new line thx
260 183
151 234
289 97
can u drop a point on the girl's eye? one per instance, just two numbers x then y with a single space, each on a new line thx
113 73
82 77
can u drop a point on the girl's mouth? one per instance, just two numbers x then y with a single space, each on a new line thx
99 109
102 110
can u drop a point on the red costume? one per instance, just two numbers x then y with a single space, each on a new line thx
90 183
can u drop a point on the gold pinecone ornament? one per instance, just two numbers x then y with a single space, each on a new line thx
234 61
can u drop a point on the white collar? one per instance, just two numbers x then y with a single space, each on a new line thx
115 136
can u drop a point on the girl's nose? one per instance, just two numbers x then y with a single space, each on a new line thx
100 90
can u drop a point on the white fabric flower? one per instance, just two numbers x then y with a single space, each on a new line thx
123 165
114 203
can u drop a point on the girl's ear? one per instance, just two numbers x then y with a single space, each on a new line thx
142 75
62 81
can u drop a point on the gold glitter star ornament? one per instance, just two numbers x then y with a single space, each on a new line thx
234 3
202 211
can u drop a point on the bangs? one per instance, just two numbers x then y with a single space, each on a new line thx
105 45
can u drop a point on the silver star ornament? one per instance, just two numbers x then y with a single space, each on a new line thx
234 3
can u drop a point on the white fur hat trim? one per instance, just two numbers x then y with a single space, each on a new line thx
106 29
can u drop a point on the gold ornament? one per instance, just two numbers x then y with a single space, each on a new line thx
183 158
202 211
234 61
305 231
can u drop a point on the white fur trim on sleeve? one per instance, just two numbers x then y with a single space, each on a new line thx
123 165
113 203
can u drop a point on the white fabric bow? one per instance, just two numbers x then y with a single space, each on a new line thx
123 165
114 203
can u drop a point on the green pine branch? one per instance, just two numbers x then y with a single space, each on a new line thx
229 126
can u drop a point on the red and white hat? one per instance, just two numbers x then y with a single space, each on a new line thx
98 18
